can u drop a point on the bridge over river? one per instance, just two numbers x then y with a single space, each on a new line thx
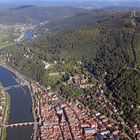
18 124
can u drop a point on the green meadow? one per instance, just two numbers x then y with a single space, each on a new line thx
6 39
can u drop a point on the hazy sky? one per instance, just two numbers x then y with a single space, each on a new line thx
28 1
59 0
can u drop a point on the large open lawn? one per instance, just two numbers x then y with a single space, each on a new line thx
6 39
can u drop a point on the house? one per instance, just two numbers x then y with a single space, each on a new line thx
94 125
47 66
89 130
85 125
59 110
104 132
116 132
0 118
98 114
1 107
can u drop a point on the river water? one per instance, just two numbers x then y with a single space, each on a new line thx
28 35
20 108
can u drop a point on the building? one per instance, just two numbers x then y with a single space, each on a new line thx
59 110
104 132
89 130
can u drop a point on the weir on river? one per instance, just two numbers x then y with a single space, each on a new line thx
13 86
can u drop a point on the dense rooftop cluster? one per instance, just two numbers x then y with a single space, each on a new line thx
60 119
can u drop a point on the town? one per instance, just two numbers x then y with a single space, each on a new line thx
4 108
65 120
60 119
17 29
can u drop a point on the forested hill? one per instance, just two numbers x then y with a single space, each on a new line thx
109 48
90 17
82 19
23 7
33 14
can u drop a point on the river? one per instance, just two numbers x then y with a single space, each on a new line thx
20 108
28 35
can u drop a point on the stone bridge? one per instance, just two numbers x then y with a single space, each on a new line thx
19 124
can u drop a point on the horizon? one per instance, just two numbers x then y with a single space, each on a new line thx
28 1
74 3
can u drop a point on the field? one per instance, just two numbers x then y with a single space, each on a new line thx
6 39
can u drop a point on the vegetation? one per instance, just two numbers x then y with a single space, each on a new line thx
6 39
137 42
109 50
82 19
32 14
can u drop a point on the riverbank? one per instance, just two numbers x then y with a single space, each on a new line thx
5 116
18 75
26 80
